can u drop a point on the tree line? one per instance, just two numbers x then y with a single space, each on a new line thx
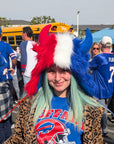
35 20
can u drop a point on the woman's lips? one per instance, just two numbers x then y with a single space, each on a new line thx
59 84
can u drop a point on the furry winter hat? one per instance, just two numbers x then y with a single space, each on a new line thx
65 52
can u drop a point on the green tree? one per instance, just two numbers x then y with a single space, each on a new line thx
4 21
112 26
42 20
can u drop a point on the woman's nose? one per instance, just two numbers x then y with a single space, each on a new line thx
57 76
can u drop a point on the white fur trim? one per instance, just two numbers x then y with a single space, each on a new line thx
63 50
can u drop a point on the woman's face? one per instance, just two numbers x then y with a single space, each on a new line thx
59 79
95 50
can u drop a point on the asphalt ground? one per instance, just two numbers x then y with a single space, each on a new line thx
110 127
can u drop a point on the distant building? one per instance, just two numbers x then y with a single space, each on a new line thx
16 23
93 28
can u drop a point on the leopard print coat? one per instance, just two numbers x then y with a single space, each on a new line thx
24 132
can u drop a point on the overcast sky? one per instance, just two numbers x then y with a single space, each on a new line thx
91 11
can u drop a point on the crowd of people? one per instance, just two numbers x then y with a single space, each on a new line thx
62 83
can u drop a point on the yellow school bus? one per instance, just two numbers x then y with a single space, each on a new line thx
13 35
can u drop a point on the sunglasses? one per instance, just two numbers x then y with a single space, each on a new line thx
95 48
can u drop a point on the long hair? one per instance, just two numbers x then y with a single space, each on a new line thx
77 100
91 50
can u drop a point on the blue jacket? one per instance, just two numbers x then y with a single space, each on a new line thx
102 66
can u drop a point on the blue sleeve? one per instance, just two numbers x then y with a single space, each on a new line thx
23 55
3 69
93 64
97 61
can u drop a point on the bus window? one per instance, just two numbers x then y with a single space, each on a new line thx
35 37
4 38
11 40
18 40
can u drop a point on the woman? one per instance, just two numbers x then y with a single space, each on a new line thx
62 111
95 49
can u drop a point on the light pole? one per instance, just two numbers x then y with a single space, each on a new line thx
78 23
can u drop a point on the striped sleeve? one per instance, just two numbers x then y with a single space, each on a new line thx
10 51
12 55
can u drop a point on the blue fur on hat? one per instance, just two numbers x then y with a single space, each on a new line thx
79 64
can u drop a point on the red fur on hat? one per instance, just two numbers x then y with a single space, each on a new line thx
45 55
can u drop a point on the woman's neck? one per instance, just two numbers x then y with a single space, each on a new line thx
61 94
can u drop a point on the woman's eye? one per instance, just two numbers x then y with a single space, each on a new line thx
64 70
50 70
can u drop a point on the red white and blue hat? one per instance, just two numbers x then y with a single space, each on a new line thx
64 51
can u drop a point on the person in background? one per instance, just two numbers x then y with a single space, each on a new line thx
7 52
5 101
95 49
111 102
102 66
28 56
19 73
15 79
62 110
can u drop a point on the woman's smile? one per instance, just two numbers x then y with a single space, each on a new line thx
59 79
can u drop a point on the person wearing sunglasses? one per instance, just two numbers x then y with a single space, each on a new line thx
95 49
